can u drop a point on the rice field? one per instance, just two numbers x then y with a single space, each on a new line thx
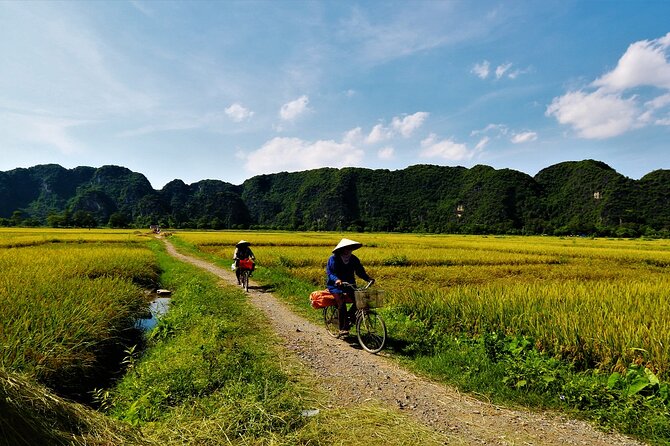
603 302
67 295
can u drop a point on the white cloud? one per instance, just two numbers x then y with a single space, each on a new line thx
405 126
514 74
482 143
238 113
606 112
408 124
143 8
379 133
46 130
643 63
523 137
655 107
353 136
386 153
176 121
291 110
481 70
658 102
295 154
498 129
408 28
502 69
445 149
595 115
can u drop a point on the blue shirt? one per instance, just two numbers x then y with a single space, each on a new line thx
337 269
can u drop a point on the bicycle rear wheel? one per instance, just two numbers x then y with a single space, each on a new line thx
331 318
245 280
371 331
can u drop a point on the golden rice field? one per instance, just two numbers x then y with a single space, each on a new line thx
603 301
66 294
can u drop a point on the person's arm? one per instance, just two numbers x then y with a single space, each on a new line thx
330 272
251 254
235 254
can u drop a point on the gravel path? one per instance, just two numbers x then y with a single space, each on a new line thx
375 378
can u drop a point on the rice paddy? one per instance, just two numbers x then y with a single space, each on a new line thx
599 301
65 297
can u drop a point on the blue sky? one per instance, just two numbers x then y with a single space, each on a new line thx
228 90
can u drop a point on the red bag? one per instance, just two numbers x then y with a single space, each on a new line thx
321 299
246 264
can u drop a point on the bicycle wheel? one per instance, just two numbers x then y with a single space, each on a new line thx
331 318
245 280
371 331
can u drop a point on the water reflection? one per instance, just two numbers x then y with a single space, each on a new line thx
157 308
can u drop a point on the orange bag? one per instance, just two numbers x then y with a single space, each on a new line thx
321 299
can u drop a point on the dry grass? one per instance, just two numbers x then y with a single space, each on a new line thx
32 415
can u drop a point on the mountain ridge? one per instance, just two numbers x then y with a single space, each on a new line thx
572 197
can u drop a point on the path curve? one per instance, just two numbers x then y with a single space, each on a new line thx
354 376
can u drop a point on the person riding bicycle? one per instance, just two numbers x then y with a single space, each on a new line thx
242 252
343 267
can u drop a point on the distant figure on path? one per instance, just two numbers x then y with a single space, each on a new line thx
242 252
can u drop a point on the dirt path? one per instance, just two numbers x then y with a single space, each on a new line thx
354 376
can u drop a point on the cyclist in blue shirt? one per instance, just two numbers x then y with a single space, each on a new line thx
344 266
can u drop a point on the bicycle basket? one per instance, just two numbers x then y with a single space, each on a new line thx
369 298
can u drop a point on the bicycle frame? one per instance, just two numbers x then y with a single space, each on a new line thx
370 327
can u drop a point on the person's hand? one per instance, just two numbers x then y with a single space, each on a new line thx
338 282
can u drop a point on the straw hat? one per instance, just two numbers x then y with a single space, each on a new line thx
243 242
346 243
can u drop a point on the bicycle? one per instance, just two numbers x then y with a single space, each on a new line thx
245 266
370 326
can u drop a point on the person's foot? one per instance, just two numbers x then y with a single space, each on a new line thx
343 332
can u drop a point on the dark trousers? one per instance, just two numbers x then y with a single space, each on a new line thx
345 317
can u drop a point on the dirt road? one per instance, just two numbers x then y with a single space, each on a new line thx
461 417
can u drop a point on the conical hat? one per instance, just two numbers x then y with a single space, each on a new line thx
346 243
243 242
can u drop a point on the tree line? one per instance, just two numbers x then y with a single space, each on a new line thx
572 198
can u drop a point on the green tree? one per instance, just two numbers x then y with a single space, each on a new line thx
118 220
84 219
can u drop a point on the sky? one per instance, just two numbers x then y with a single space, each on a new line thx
228 90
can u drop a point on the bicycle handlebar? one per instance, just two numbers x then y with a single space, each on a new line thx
351 285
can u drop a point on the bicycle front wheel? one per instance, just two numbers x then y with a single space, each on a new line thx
371 331
331 318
